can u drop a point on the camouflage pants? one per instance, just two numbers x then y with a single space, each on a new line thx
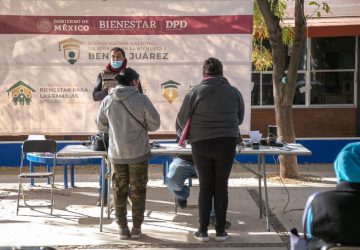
135 175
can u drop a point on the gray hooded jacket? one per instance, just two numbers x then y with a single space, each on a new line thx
128 140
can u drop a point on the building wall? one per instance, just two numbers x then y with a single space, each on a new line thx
311 122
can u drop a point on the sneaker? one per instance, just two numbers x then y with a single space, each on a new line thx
201 236
221 236
124 233
181 203
135 233
213 222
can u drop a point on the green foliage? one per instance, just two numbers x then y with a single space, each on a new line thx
324 6
287 34
259 27
261 56
278 8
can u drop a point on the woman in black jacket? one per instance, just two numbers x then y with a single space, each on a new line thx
216 109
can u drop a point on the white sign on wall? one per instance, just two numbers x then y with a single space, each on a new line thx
49 64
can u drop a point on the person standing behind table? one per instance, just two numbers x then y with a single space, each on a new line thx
213 134
129 148
105 79
334 216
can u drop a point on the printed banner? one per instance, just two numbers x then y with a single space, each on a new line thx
49 64
126 25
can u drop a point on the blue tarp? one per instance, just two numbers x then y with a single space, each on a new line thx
324 150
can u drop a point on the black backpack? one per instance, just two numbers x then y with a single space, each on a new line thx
99 142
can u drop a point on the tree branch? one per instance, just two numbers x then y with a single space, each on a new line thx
277 46
296 46
268 15
274 3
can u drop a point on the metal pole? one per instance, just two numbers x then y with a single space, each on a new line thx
266 193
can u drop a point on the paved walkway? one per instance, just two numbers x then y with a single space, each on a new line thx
74 223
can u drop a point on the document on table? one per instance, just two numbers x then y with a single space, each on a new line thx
174 146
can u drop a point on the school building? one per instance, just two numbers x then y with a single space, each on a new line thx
326 103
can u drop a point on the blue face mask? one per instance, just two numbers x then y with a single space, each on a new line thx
116 64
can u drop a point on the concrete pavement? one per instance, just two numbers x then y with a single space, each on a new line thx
75 220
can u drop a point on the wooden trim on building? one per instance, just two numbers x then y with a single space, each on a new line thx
333 31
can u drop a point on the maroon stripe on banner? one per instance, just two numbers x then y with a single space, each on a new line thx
126 25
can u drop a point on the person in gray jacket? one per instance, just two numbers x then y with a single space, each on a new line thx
127 116
216 109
